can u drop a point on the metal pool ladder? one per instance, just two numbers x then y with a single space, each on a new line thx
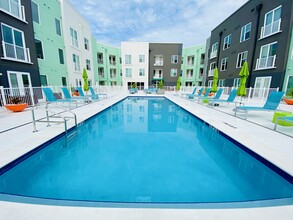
53 115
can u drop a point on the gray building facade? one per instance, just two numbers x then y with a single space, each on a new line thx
259 32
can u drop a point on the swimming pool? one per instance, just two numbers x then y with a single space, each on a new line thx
145 150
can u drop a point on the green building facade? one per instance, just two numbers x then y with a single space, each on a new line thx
49 41
192 68
288 79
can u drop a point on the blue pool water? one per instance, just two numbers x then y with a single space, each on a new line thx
144 150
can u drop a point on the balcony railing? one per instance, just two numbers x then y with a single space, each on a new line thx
158 76
13 8
159 63
113 76
112 62
213 54
270 29
265 63
17 53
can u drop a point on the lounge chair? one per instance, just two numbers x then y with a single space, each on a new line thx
206 94
133 90
52 99
191 96
271 104
93 97
68 96
95 94
288 119
230 99
150 90
187 94
217 96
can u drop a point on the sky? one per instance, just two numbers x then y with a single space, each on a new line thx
156 21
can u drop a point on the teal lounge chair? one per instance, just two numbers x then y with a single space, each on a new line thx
207 92
52 99
93 97
217 96
68 96
271 104
191 96
230 99
288 119
95 94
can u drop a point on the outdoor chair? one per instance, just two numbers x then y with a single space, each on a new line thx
230 99
191 96
271 104
81 93
95 94
67 95
52 99
217 96
206 94
287 119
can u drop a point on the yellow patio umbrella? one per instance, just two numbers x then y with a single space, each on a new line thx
244 73
215 80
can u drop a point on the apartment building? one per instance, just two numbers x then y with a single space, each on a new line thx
135 64
192 67
78 44
18 63
49 40
288 80
259 33
164 63
107 64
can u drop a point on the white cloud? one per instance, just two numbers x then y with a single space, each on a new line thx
187 21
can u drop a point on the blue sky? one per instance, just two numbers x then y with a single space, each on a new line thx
186 21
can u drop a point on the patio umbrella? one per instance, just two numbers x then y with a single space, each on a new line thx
178 84
244 72
85 77
215 80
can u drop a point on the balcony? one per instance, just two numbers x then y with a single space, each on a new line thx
271 29
112 76
158 63
190 63
158 76
16 53
189 76
113 63
213 54
13 8
266 63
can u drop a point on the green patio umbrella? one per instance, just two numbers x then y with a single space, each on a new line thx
244 73
215 80
85 77
178 84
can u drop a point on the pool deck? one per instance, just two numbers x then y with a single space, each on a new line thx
255 133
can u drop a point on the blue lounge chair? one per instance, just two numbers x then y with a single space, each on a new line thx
217 96
52 99
133 90
95 94
93 97
271 104
68 96
191 96
230 99
206 94
288 119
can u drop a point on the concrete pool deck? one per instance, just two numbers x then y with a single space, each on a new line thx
273 146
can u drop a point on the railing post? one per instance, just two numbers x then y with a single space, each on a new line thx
32 95
3 95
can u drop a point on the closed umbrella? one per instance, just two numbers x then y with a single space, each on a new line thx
178 84
85 81
244 73
215 80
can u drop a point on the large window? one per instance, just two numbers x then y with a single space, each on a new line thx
128 72
127 59
227 42
245 32
214 51
13 7
75 59
35 12
64 81
141 58
174 59
267 57
39 49
86 44
158 60
14 44
241 58
236 82
88 64
44 80
61 56
272 23
73 36
173 72
141 72
58 27
212 69
221 82
224 63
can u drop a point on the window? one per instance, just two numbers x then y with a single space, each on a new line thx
189 73
112 60
35 12
173 72
190 60
14 45
221 82
241 58
141 58
101 71
210 83
73 36
236 82
113 73
58 27
224 63
88 64
227 42
76 63
127 59
141 72
61 56
44 81
19 80
158 74
267 57
100 58
212 69
245 32
128 72
86 44
39 49
214 51
158 60
272 23
13 7
174 59
64 81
